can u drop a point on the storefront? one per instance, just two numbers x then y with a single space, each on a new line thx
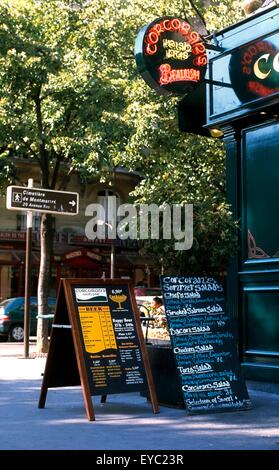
230 88
242 102
75 256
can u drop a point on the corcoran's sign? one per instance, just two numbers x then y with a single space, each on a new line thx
254 69
170 56
97 341
21 198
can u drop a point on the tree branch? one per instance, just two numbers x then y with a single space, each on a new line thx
65 178
68 119
44 162
185 16
198 13
196 10
55 173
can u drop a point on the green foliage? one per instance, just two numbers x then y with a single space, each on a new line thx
71 98
182 168
60 98
193 173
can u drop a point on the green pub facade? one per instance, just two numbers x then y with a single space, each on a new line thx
242 101
230 88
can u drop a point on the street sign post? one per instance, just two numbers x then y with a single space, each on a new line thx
29 199
21 198
28 254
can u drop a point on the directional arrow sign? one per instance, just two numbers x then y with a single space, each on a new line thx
42 200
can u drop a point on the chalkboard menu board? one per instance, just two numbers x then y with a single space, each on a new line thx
110 343
204 343
97 342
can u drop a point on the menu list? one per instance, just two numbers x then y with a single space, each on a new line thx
111 345
204 343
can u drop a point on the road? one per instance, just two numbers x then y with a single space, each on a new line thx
126 422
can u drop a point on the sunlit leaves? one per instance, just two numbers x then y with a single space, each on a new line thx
73 61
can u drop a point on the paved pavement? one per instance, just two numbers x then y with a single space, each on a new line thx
126 422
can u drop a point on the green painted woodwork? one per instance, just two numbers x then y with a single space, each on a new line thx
261 328
230 68
251 137
259 273
228 98
261 191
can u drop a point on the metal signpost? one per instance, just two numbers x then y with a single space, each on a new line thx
28 254
29 199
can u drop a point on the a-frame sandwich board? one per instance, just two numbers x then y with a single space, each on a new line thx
97 342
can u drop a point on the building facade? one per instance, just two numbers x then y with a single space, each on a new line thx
242 99
74 255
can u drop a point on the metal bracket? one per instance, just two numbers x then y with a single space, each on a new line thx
214 47
217 83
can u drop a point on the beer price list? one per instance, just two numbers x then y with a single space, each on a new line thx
111 345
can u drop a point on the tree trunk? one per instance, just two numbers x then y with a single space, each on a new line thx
44 282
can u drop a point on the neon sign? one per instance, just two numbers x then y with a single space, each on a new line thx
254 70
171 56
259 65
167 75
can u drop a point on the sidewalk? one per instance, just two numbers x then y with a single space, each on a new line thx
125 422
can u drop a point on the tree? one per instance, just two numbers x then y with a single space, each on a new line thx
71 100
51 87
183 168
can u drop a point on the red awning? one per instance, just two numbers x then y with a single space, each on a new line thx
81 262
82 258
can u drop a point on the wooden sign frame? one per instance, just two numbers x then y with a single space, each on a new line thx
66 347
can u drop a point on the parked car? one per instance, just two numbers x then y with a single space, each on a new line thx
12 317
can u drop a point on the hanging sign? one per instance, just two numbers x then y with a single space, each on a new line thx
254 69
170 56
